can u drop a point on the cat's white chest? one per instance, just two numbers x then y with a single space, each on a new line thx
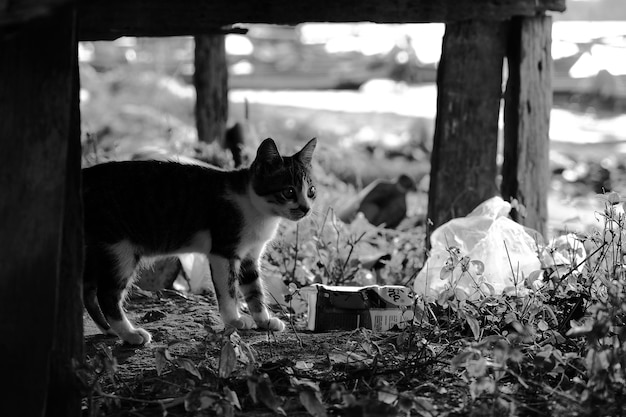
258 228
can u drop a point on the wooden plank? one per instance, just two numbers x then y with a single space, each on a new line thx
14 13
64 396
525 172
210 79
36 95
469 80
109 19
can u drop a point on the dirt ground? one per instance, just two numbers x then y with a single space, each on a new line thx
346 371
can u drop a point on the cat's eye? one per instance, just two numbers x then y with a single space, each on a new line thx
289 193
312 192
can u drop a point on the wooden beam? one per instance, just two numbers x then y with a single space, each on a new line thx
110 19
37 96
469 81
210 79
14 13
525 172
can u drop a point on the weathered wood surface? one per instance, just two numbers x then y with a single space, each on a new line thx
36 126
64 395
109 19
525 172
16 12
210 79
469 81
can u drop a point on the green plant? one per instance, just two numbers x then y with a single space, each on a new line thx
322 249
561 339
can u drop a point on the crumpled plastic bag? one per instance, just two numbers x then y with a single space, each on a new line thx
481 254
198 274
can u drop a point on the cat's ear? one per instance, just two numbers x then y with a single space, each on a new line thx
305 155
268 153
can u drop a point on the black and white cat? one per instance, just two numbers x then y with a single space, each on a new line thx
138 209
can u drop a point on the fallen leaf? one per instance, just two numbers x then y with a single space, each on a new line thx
387 396
228 360
310 400
232 397
543 325
162 357
302 365
304 384
188 366
578 330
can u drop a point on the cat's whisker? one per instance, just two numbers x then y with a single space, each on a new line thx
315 212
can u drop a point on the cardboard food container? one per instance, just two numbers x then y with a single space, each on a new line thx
375 307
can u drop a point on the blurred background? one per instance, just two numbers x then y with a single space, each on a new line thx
367 92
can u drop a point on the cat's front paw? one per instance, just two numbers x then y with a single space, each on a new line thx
246 322
137 337
243 322
273 324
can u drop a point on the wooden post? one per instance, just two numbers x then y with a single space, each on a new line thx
469 81
211 81
64 396
37 98
525 172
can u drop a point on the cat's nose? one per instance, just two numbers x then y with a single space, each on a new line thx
304 209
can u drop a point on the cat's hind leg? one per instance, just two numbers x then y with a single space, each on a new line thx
252 288
91 276
90 300
225 273
116 266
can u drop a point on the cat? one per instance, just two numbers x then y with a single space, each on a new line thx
136 209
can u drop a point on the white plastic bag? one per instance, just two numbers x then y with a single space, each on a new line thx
490 254
198 273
